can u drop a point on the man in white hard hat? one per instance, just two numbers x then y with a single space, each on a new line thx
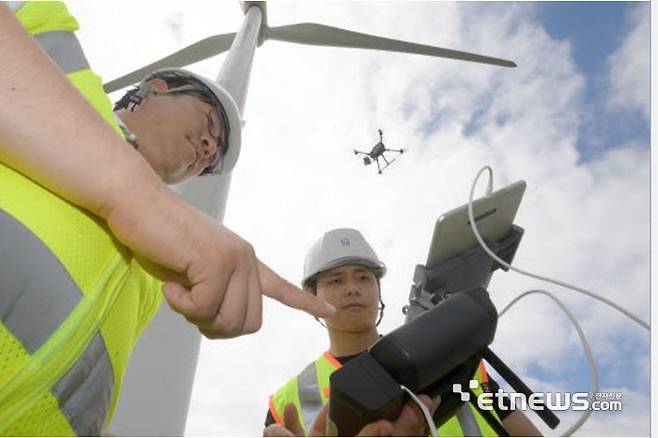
83 214
183 124
343 269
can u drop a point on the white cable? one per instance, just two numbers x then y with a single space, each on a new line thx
426 412
539 277
586 348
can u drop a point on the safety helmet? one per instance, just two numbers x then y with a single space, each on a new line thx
226 107
340 247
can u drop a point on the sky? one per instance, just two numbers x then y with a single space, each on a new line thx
572 120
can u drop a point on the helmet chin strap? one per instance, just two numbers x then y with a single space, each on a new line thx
130 136
144 88
135 99
381 311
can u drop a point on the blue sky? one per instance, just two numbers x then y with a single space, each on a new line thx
595 30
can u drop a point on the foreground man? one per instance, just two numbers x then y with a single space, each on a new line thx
80 206
343 269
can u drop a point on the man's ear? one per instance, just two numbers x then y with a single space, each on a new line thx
158 85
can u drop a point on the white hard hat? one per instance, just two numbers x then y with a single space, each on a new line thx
340 247
227 108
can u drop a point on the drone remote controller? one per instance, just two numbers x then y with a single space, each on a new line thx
450 323
427 355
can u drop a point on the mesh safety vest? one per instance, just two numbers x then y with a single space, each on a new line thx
309 391
72 299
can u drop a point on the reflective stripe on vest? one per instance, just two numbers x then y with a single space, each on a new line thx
63 48
33 304
467 421
310 397
14 6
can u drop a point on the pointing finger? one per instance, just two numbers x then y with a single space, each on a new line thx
285 292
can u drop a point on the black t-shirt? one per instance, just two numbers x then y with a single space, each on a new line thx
490 386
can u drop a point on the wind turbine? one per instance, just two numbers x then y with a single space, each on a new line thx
176 361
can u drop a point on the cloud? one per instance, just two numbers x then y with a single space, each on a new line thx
175 24
629 83
308 107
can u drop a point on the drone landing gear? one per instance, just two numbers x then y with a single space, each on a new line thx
388 163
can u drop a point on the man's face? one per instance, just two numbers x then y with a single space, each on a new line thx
354 291
180 136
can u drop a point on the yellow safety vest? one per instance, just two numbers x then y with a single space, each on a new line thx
309 391
66 337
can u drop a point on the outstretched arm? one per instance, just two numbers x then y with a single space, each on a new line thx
52 135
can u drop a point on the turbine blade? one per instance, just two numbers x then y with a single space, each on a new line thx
321 35
198 51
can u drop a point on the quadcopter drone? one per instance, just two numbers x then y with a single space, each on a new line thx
377 152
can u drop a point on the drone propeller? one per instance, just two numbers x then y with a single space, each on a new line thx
196 52
321 35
